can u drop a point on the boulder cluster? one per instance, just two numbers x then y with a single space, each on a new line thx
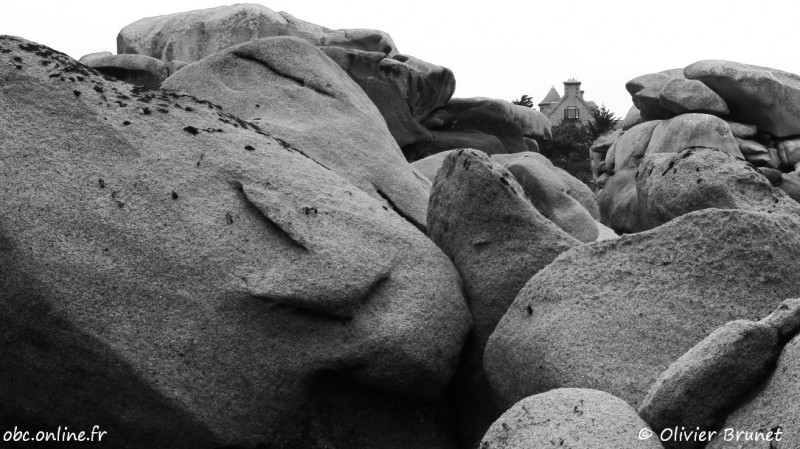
412 95
249 231
751 113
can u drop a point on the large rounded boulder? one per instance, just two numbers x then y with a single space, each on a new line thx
613 315
292 91
173 274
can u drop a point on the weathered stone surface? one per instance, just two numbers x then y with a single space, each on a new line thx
785 319
592 318
757 154
693 130
630 148
790 183
532 145
671 185
618 201
617 196
767 98
444 141
91 56
789 153
291 90
405 89
646 91
632 118
703 385
574 187
502 119
548 194
178 276
481 218
681 96
605 233
193 35
743 130
600 147
134 69
775 407
429 166
569 417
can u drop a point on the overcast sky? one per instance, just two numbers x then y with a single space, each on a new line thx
498 49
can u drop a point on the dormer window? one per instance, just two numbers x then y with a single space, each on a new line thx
571 113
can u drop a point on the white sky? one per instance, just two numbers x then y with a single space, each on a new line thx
498 49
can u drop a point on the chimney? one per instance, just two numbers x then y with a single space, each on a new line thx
572 88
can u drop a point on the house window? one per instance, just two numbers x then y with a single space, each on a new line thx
571 113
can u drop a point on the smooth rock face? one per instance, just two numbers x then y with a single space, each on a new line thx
481 218
790 183
632 118
507 122
703 385
291 90
774 407
619 202
767 98
789 153
613 315
548 194
646 91
405 89
631 147
785 319
600 147
693 130
140 70
429 166
701 178
566 183
444 141
681 96
571 418
193 35
179 276
574 187
85 58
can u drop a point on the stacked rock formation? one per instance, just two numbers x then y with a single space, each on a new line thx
412 95
226 247
750 112
182 278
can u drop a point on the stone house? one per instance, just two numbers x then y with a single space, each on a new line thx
571 106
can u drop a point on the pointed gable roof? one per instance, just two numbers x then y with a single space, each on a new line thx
551 97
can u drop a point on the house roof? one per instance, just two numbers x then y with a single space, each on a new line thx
588 104
551 97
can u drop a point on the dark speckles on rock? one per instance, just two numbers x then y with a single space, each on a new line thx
249 148
191 130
